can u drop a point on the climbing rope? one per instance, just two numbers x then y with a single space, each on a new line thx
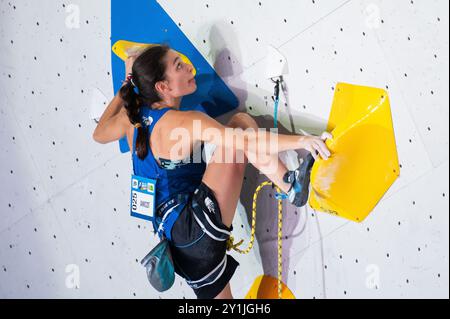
231 245
279 196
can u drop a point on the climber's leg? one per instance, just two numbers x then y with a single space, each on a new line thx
226 179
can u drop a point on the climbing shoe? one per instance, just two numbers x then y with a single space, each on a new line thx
299 179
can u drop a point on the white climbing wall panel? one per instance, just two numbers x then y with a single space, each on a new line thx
65 229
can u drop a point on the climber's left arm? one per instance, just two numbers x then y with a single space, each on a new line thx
113 124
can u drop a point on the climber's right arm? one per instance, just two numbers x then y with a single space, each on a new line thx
204 128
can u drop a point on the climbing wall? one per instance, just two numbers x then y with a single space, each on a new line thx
65 229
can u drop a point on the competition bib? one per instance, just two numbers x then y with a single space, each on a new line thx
142 203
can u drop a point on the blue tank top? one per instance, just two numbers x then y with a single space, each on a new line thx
172 178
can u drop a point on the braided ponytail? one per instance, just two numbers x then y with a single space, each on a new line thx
133 104
139 90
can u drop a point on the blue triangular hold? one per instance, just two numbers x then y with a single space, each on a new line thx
145 21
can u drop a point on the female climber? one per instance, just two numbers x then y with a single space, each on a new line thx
147 111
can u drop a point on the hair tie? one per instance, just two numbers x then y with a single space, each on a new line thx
130 79
138 125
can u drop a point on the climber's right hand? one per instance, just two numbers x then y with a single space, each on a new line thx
316 145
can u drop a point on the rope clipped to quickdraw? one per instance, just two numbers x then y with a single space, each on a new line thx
279 196
231 245
276 100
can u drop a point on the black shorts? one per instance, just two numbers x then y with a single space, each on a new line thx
199 245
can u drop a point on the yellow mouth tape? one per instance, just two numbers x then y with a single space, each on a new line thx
122 48
364 161
266 287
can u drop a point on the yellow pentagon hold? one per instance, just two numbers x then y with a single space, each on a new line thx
266 287
364 161
122 48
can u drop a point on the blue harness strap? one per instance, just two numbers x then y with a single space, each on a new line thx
168 214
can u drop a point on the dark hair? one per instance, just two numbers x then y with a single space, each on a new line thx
148 69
